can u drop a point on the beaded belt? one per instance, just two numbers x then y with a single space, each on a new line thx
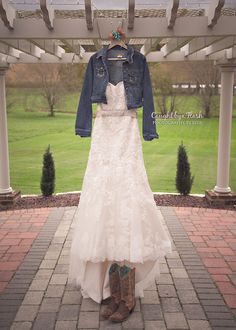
113 113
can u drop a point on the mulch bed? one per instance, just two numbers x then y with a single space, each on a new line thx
72 199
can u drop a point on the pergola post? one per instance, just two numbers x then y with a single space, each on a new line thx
4 155
225 123
222 191
7 195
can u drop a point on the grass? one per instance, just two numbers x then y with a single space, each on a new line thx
31 132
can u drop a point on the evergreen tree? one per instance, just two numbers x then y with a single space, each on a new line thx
47 184
183 178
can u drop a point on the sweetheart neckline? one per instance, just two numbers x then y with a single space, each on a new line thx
121 81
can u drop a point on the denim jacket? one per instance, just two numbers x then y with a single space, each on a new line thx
138 90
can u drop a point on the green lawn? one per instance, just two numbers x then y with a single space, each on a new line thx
31 132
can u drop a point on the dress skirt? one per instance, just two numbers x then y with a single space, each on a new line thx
117 219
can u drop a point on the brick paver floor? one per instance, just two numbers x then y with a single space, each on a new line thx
18 230
213 233
196 289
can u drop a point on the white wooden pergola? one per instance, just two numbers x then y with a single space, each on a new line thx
56 31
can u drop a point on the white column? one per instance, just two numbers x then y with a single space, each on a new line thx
4 154
225 121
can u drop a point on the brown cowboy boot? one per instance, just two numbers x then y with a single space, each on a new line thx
114 282
106 301
128 301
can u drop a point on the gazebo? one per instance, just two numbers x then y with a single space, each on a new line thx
41 31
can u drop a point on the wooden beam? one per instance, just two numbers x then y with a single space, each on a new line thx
69 43
131 14
88 14
153 27
149 45
24 46
8 50
197 44
173 45
48 14
49 47
171 13
221 45
79 50
74 46
231 53
156 56
7 14
179 56
214 11
48 58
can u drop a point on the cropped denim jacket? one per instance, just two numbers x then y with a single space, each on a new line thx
138 91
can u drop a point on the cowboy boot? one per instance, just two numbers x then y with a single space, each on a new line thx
114 282
128 301
106 301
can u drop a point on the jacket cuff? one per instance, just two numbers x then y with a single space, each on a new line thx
149 137
82 132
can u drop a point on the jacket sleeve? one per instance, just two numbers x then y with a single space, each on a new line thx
83 123
149 123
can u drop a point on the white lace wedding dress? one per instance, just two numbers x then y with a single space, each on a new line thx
117 219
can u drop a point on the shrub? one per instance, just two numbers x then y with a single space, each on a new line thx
47 184
183 179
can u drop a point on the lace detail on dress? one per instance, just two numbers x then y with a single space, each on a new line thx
117 215
116 102
117 218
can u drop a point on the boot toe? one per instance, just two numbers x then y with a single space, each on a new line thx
109 310
117 317
106 314
121 314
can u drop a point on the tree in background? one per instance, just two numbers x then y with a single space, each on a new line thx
47 184
51 84
11 98
163 85
72 76
207 74
55 80
183 179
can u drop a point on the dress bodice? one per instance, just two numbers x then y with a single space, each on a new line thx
116 102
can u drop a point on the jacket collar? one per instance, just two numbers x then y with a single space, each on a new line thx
130 52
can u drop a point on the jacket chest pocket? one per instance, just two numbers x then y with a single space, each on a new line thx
134 76
100 71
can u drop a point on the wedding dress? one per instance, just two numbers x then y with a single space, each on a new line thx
117 219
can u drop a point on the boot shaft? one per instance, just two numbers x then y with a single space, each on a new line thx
114 282
127 283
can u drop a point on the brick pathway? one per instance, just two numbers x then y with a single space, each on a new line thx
18 230
193 291
213 233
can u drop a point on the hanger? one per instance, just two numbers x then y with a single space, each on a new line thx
116 40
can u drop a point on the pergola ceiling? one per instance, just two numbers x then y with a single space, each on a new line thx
35 31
